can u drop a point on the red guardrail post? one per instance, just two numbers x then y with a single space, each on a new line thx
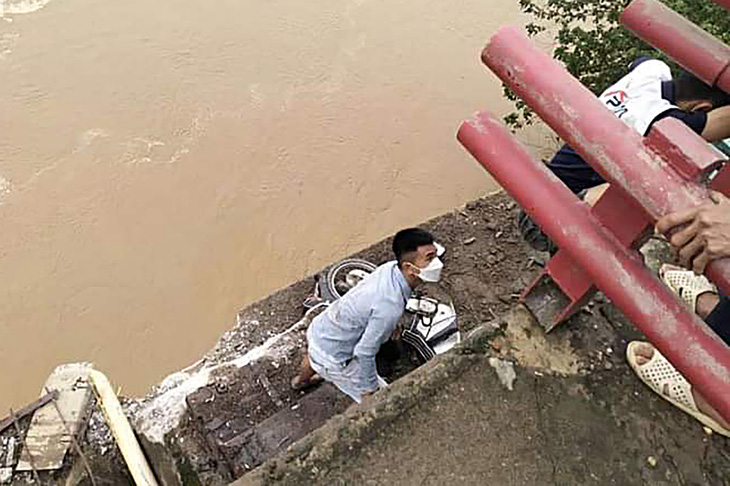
693 48
681 336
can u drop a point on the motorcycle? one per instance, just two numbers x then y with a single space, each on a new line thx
433 328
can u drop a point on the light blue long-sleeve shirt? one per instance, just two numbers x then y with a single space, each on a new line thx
357 324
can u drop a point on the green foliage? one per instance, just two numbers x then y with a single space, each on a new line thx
594 47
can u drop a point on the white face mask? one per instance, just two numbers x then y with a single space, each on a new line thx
432 272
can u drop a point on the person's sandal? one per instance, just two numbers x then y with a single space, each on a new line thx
685 284
297 384
659 375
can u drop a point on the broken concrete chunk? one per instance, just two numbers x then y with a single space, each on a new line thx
505 371
48 437
10 456
6 475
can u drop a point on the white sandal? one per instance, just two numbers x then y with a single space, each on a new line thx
659 375
686 284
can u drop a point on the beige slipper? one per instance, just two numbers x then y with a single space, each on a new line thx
686 284
659 375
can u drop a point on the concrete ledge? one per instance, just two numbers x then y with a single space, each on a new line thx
306 459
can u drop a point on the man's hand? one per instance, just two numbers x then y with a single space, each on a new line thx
704 234
365 395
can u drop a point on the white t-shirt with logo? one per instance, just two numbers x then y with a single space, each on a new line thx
636 98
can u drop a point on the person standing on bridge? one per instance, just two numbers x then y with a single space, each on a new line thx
342 341
647 94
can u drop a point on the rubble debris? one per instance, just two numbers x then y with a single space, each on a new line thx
505 371
6 472
270 390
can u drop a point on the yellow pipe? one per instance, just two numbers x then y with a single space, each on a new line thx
122 431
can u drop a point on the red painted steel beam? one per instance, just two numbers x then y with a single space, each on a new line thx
610 146
693 48
724 3
687 342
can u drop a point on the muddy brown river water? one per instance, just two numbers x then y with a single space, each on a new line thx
162 164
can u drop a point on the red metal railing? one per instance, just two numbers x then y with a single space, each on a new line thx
692 48
680 335
650 177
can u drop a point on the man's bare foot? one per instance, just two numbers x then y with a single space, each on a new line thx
307 376
645 351
300 383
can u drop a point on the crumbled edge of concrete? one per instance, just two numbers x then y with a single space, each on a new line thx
157 417
303 460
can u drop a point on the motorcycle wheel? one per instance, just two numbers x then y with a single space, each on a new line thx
334 284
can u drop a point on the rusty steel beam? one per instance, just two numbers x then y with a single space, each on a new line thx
30 408
694 49
622 156
688 343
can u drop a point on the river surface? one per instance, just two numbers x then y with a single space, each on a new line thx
164 163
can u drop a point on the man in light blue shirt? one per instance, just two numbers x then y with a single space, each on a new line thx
343 340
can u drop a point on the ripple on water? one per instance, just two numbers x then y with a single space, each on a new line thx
4 189
7 40
15 7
